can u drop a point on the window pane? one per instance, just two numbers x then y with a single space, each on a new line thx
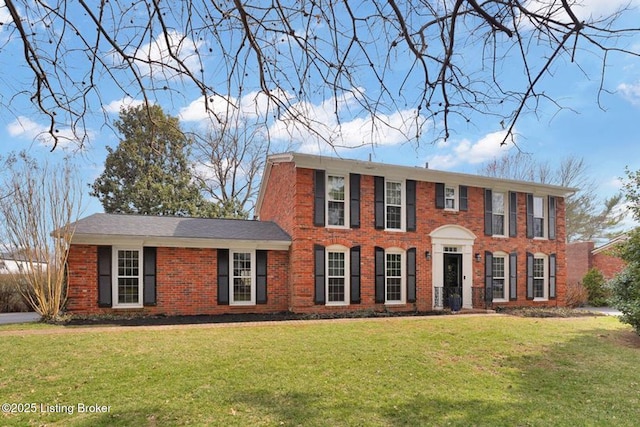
498 288
336 264
498 225
242 264
538 288
394 193
394 285
128 263
128 290
242 288
336 213
394 265
538 268
394 217
336 289
538 207
449 192
449 203
336 187
498 203
498 267
538 227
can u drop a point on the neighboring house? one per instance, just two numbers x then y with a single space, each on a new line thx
583 256
334 235
16 262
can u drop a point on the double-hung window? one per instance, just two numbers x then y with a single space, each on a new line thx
498 209
393 277
539 277
336 200
450 198
538 217
337 272
243 291
393 205
499 277
128 274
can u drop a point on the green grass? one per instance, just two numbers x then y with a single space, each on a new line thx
484 371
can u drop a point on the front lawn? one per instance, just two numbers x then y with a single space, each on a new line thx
451 370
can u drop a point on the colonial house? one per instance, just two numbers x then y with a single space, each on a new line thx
333 235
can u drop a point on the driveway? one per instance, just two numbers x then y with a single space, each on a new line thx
603 310
6 318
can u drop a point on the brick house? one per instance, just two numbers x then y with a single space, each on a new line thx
583 256
334 235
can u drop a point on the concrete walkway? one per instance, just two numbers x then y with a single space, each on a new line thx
602 310
7 318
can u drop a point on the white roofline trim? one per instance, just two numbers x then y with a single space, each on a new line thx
421 174
179 242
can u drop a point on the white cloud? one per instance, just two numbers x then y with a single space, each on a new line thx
585 10
230 110
467 152
156 59
116 105
314 126
27 129
630 92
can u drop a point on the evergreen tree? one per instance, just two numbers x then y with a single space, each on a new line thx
149 172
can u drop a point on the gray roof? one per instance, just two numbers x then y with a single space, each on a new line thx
179 227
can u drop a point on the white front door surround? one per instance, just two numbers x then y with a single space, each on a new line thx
449 237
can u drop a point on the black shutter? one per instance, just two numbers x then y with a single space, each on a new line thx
463 198
488 212
354 271
149 273
529 276
529 216
261 277
439 195
380 275
223 276
379 202
488 276
552 217
552 276
104 276
319 203
513 214
354 203
513 276
319 266
411 205
411 275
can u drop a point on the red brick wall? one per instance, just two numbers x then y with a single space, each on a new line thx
186 283
578 261
608 264
304 235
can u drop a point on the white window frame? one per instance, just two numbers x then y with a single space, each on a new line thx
545 278
455 198
347 283
115 274
505 258
403 204
504 214
232 277
403 276
345 201
544 217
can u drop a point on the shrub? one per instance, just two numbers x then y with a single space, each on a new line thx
12 298
596 286
626 295
577 295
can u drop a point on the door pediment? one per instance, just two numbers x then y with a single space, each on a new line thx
452 232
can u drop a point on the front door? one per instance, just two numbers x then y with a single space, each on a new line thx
452 276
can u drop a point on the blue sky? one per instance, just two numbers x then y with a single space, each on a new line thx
606 136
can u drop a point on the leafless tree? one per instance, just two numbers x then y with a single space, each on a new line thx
229 166
433 63
41 200
588 217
